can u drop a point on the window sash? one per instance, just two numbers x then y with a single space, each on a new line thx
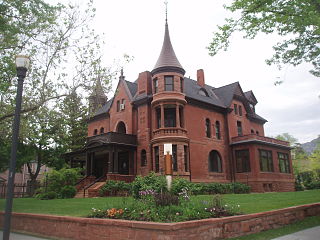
266 162
168 83
243 161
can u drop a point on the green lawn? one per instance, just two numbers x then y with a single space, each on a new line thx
292 228
249 203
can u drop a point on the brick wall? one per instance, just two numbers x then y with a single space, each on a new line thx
108 229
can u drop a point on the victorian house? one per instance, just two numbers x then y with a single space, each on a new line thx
215 132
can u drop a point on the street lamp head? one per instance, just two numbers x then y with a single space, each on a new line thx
22 61
22 65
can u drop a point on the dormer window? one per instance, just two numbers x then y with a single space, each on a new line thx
203 92
168 83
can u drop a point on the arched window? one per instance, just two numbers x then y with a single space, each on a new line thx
101 130
218 132
121 128
215 163
95 132
143 158
208 128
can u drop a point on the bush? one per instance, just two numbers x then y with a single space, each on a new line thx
241 188
150 182
68 191
47 195
61 182
166 199
115 188
178 184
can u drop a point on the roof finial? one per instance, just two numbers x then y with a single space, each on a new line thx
121 74
166 3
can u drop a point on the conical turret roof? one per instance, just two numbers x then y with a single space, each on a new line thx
167 60
97 90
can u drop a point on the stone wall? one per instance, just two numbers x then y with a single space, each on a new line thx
61 227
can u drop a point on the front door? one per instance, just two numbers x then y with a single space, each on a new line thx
123 160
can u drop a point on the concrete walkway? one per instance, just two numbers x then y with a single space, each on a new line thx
19 236
307 234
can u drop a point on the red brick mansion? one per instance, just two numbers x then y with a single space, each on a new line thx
216 134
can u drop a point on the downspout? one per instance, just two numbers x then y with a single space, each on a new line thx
230 148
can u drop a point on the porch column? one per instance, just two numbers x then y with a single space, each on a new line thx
116 161
87 164
91 163
177 116
110 161
162 115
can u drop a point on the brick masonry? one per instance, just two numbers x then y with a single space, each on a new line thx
62 227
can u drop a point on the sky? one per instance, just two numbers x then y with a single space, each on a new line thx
136 28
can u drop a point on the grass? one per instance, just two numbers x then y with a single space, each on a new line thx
292 228
249 203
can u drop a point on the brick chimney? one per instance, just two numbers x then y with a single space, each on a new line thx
200 77
144 83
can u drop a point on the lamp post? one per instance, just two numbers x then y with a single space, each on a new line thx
22 64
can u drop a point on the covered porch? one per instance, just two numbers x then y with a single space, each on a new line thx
108 156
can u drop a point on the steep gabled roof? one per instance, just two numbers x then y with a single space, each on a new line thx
105 108
226 93
191 89
133 87
250 96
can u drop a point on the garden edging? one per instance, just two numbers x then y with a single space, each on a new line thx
64 227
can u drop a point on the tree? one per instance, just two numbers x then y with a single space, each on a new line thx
296 21
287 137
66 59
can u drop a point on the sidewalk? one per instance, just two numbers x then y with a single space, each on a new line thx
308 234
19 236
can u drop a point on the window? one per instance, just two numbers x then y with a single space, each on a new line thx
181 84
118 106
266 163
240 110
203 92
186 163
235 108
208 129
121 128
101 130
252 131
215 164
239 128
218 133
156 158
143 158
181 117
174 158
170 117
158 117
168 83
284 165
243 161
257 132
95 132
155 85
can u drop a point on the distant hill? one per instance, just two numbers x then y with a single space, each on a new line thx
309 147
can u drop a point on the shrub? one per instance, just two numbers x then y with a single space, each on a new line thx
68 191
178 184
241 188
115 188
47 195
61 182
150 182
166 199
